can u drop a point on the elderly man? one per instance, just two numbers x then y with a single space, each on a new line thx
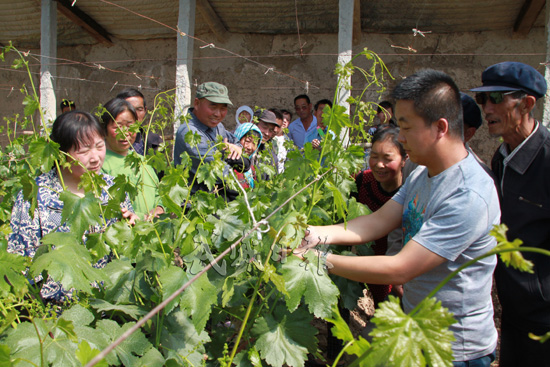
270 125
446 209
210 108
522 169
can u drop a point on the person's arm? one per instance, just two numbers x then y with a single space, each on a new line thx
234 151
357 231
409 263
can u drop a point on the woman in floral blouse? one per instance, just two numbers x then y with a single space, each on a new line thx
82 139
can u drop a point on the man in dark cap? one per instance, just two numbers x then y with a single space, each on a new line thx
270 126
522 169
210 108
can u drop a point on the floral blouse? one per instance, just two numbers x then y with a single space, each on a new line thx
28 231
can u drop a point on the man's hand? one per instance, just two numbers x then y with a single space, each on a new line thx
235 151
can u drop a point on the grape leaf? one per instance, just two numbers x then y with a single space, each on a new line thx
308 279
11 268
43 153
341 330
181 342
57 346
68 264
197 299
134 311
85 354
31 104
128 351
285 338
421 339
79 212
514 258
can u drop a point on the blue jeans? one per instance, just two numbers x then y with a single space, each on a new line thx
484 361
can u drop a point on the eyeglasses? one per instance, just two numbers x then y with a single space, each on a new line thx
494 97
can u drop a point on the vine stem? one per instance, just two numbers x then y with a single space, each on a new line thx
251 303
163 304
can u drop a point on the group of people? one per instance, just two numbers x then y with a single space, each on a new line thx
426 221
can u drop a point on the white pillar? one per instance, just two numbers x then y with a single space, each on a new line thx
546 107
48 51
345 35
184 64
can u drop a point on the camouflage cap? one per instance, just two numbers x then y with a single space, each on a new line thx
214 92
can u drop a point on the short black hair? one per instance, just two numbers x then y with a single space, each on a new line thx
385 105
391 133
72 128
67 103
131 92
434 95
114 108
277 112
322 101
304 96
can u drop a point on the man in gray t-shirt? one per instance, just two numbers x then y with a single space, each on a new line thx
445 209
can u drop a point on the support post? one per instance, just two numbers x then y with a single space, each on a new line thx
184 64
345 39
48 52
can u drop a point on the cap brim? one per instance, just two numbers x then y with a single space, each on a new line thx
493 88
270 122
219 100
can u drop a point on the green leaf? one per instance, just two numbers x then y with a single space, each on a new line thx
134 311
131 348
69 263
181 342
5 360
513 258
79 212
341 330
31 104
120 237
285 338
152 358
58 348
307 279
11 269
43 153
85 354
421 339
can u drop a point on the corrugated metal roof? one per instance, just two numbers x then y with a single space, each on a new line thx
128 19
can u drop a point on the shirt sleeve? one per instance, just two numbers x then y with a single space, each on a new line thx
25 236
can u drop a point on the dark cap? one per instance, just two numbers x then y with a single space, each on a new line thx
267 117
512 76
471 111
214 92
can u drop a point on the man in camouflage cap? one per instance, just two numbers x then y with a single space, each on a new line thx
209 110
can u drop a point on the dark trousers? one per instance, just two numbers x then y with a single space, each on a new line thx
484 361
518 350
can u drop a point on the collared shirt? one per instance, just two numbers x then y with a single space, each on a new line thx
297 132
202 149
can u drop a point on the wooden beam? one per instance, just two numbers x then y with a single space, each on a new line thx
527 16
83 20
212 19
357 22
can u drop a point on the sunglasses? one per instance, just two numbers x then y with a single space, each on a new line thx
494 97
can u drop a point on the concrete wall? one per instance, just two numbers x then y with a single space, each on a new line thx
91 75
